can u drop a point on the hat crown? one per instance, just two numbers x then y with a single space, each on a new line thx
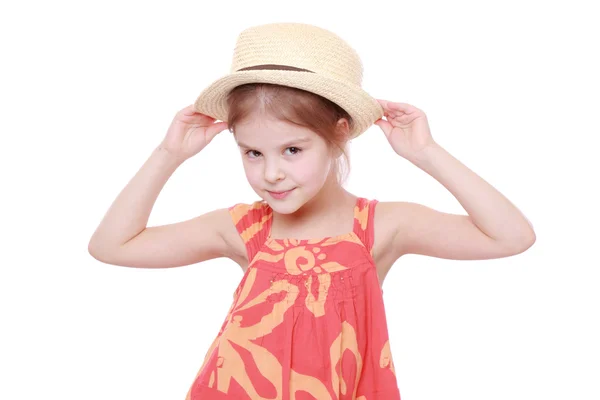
300 46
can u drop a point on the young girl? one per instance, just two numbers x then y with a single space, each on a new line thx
308 317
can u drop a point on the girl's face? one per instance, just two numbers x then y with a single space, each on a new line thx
282 157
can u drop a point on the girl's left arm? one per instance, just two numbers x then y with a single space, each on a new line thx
493 228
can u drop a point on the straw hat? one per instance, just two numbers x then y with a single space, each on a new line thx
301 56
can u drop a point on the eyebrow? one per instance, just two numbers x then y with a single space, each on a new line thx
286 144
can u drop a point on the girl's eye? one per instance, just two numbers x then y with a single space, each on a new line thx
255 154
252 153
296 150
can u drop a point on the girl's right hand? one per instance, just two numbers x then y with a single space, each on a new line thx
190 132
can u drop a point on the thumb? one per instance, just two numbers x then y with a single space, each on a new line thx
215 129
385 126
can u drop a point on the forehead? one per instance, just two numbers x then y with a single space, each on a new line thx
261 130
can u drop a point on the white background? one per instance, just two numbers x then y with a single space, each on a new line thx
88 90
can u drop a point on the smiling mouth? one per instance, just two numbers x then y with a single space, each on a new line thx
285 191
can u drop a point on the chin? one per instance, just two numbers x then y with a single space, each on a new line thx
283 207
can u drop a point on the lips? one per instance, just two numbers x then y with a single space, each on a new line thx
280 195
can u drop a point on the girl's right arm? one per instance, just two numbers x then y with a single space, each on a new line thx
123 238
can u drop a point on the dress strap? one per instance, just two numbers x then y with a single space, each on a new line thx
364 215
252 222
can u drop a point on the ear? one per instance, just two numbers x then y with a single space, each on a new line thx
343 127
342 132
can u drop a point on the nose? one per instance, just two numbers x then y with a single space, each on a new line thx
273 171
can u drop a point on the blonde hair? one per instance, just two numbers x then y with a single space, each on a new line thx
298 107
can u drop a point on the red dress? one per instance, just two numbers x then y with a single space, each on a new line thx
307 319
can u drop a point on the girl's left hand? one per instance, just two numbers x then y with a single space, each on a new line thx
406 128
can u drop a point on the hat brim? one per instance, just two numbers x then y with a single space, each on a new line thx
361 106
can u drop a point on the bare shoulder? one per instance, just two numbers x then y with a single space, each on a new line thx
398 221
222 222
386 226
236 249
219 224
391 216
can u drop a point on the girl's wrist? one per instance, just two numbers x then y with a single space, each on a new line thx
168 158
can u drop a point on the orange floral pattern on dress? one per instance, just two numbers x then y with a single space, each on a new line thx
307 319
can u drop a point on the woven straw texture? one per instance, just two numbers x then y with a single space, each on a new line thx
333 70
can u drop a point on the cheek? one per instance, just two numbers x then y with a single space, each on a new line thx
252 173
312 171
